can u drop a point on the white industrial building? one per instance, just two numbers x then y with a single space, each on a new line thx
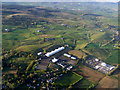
55 51
61 65
111 68
103 64
73 58
67 55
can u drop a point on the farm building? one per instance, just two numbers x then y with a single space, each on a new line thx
67 55
54 60
73 58
7 29
103 64
96 60
39 53
69 68
54 52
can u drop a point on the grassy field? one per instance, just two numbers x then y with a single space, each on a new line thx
113 58
76 25
84 83
68 79
32 48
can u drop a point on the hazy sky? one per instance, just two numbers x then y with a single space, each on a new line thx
60 0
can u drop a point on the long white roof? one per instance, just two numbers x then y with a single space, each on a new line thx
55 51
65 54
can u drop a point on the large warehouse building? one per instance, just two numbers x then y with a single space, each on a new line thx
55 51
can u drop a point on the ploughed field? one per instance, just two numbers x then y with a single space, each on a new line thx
90 74
108 82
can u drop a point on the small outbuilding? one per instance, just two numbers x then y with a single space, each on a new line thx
54 60
39 53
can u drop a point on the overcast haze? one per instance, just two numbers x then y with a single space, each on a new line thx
60 0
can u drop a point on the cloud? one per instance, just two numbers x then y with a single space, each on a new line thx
107 0
60 0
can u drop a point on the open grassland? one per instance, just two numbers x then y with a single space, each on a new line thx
108 82
113 58
68 79
31 48
84 83
81 44
95 50
97 35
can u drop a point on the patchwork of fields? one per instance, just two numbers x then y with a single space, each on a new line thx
86 30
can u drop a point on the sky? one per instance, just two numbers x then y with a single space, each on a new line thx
60 0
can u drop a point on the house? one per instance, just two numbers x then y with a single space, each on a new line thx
96 60
101 31
39 53
63 65
7 30
97 67
69 68
54 60
61 75
38 30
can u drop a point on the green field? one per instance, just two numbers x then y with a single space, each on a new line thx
68 79
84 83
113 58
84 29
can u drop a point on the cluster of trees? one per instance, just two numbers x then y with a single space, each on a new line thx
10 58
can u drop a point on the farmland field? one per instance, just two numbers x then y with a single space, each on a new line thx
77 53
32 29
84 83
68 79
90 74
108 82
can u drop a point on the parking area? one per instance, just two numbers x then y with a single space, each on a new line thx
43 64
67 60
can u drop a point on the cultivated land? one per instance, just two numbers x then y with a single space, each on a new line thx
68 79
78 53
90 74
86 30
84 83
108 82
